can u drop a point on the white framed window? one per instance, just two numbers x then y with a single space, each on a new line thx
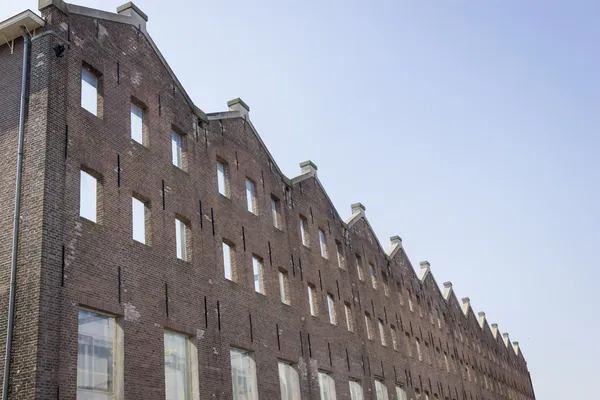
331 309
181 239
99 357
369 326
400 393
288 381
251 196
349 317
137 123
312 301
326 386
223 178
89 91
323 243
229 261
276 212
88 196
373 276
381 390
359 268
243 375
304 231
284 287
381 332
394 337
356 391
258 272
177 149
177 366
340 254
139 219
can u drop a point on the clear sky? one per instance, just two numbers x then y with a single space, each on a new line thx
469 128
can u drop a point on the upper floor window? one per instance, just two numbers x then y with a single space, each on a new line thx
331 309
322 243
177 149
181 239
340 254
98 356
90 91
359 268
326 386
381 332
369 326
373 276
177 366
288 381
229 261
419 353
356 391
394 337
381 390
312 301
88 196
284 287
400 393
349 317
258 271
409 299
304 231
276 212
386 286
139 219
243 375
223 178
137 123
251 196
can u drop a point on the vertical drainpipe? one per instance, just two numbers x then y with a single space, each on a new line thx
17 212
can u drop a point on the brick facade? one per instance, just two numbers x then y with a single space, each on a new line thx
66 262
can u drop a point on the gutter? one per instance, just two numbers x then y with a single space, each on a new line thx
17 213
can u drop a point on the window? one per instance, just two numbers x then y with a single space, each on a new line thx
223 178
312 301
331 309
356 392
88 196
177 149
181 239
243 375
359 268
381 332
276 212
137 123
229 261
139 219
288 381
97 366
326 386
419 354
386 286
400 295
369 326
251 196
304 231
177 367
284 287
373 276
322 243
349 317
394 337
408 346
340 254
400 393
258 271
89 91
381 390
409 299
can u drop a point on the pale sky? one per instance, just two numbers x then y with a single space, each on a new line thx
469 128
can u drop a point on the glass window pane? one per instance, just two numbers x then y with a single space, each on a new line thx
95 356
243 375
180 239
177 149
257 268
88 196
227 261
89 91
138 211
356 392
221 178
176 367
381 390
251 196
137 117
400 393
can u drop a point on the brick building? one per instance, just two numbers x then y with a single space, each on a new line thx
163 254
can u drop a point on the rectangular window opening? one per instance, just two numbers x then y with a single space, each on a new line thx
276 212
90 91
140 217
284 287
223 178
326 386
177 366
178 149
331 309
243 375
312 301
229 265
304 231
323 243
288 381
251 199
258 273
88 195
182 239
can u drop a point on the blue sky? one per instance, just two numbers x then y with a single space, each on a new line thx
469 128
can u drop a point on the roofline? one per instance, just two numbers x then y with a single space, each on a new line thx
27 18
